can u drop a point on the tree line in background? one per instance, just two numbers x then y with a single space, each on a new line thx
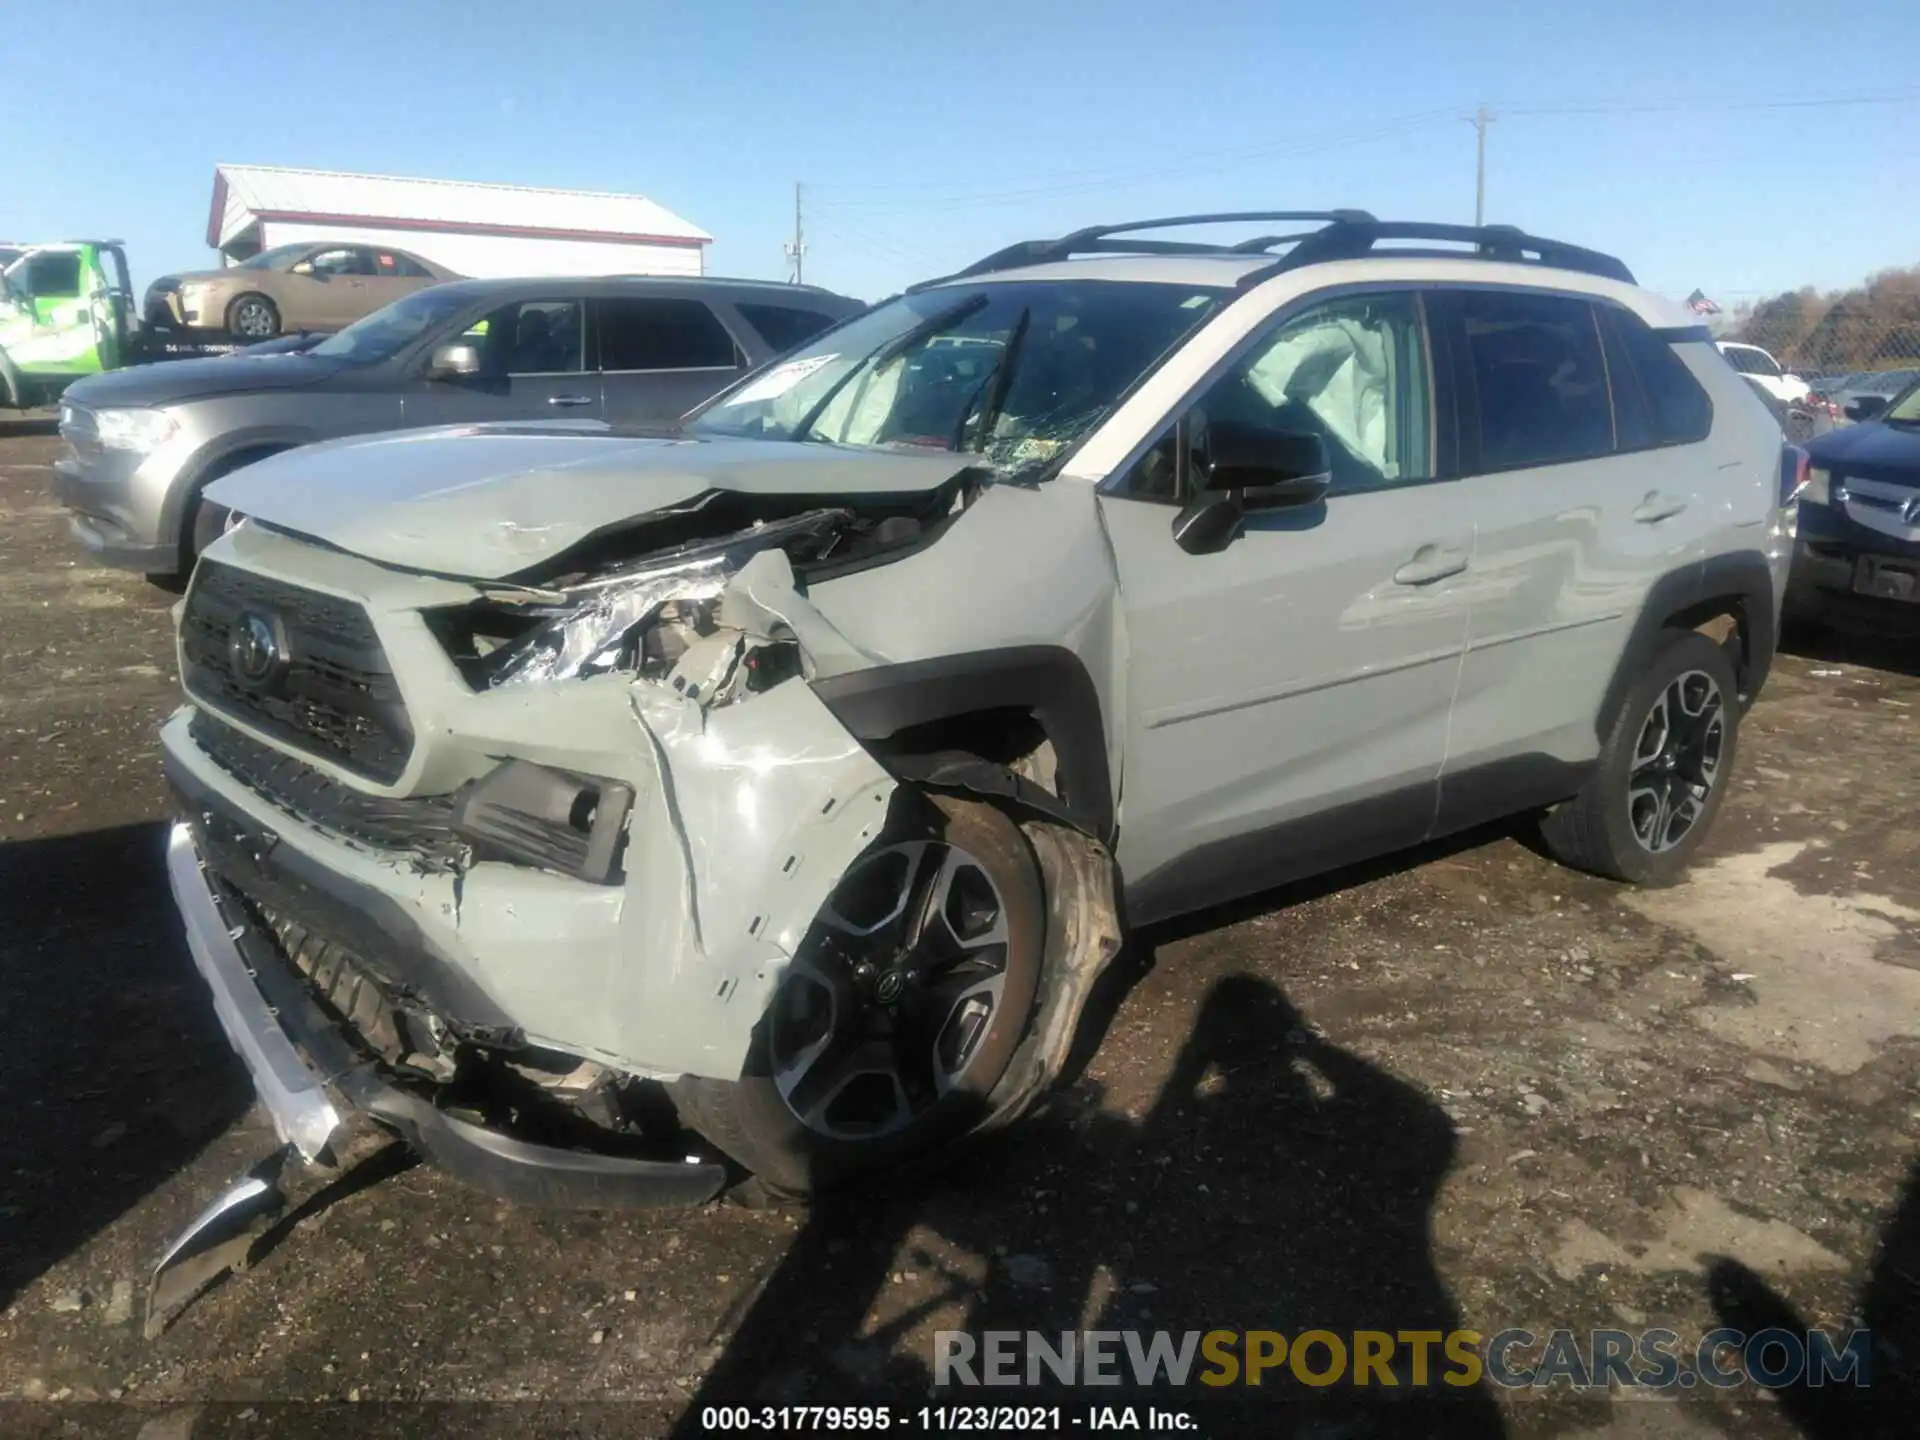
1875 326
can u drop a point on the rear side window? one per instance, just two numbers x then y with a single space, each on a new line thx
394 266
1540 379
1681 411
663 334
783 327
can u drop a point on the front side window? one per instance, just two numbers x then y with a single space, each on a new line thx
530 337
1015 371
1541 383
663 334
336 262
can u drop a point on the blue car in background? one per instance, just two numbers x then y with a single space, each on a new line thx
1858 543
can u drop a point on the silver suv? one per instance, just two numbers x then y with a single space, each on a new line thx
805 770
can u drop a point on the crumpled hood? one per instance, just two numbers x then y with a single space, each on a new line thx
489 502
1871 449
170 382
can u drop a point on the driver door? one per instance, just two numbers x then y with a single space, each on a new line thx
325 291
1288 695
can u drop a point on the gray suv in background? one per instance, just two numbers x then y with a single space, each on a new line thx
630 351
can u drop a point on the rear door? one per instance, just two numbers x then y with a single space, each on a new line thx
389 275
533 367
661 355
1584 491
1288 695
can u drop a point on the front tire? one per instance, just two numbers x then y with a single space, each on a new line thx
253 317
1662 772
902 1010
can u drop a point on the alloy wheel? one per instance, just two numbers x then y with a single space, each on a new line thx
1676 761
882 1014
253 319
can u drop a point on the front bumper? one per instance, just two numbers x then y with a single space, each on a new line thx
307 1073
1828 550
118 501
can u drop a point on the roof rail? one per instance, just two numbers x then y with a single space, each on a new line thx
1342 235
1098 239
1491 242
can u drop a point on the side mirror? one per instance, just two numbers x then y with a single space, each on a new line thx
452 362
1250 467
1865 407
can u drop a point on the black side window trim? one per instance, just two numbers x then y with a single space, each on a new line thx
1441 397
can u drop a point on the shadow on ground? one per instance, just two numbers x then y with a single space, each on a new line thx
94 963
1888 1405
1878 638
1278 1183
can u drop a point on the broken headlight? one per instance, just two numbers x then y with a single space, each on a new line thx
640 618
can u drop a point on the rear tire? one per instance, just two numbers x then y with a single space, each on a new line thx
1662 772
253 317
884 1039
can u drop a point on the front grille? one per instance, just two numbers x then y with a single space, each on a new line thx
419 829
331 692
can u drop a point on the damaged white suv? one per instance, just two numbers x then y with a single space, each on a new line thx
548 789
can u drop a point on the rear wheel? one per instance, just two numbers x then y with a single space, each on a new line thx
253 317
1662 772
901 1011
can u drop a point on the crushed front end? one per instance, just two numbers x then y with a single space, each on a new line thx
483 863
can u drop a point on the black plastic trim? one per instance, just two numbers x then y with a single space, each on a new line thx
1742 576
374 927
1243 865
1050 681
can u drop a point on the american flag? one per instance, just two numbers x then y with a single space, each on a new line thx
1699 304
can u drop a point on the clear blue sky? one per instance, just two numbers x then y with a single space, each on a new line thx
928 133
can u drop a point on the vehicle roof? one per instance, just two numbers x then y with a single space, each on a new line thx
1229 270
763 290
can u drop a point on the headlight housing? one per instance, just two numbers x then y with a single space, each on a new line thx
136 430
1823 489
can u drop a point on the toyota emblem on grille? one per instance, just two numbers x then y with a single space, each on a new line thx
257 650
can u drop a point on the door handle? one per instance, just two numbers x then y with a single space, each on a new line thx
1657 507
567 400
1431 563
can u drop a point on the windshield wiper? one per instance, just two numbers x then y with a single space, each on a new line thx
890 352
999 380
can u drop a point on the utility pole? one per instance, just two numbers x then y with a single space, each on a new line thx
1481 119
797 247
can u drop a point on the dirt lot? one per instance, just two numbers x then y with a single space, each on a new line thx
1464 1089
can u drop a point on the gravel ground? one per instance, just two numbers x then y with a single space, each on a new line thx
1464 1088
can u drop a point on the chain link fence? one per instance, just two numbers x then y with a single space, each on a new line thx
1871 329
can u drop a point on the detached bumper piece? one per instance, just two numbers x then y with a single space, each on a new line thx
321 1091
